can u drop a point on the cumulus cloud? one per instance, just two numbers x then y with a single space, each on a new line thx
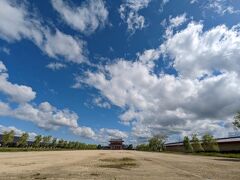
129 13
44 115
17 23
197 53
193 1
221 7
86 18
202 96
105 134
163 3
17 93
5 50
178 20
63 45
86 132
56 66
100 102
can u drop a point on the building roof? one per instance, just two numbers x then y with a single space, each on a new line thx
219 140
116 140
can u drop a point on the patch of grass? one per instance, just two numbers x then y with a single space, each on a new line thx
95 174
119 163
38 176
124 159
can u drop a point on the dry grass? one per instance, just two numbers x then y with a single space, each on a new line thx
118 163
121 165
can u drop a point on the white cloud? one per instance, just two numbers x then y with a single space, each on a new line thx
84 132
44 115
60 44
86 18
17 23
222 7
197 53
193 1
105 134
5 50
163 3
149 56
202 97
56 66
178 20
98 101
17 93
129 12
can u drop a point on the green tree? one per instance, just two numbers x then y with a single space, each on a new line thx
22 142
130 147
142 147
65 144
54 143
157 142
8 138
60 143
99 146
71 145
236 121
196 144
37 141
209 143
46 140
187 144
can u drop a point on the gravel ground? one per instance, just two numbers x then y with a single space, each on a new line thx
115 165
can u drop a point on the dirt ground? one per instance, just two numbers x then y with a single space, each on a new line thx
108 164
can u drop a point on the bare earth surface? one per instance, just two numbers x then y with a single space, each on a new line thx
115 165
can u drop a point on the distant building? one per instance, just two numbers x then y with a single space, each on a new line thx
230 144
116 144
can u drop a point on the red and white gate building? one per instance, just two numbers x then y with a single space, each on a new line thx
116 144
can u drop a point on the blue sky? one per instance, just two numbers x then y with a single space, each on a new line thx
93 70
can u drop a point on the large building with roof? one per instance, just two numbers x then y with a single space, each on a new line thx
116 144
230 144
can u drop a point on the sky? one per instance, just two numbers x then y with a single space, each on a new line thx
93 70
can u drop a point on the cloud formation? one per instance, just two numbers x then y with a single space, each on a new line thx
202 96
44 115
87 18
56 66
17 93
16 23
129 13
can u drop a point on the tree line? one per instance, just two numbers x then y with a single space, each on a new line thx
206 144
156 143
41 142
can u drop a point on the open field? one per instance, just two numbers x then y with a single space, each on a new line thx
96 164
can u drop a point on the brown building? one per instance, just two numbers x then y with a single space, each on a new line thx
230 144
116 144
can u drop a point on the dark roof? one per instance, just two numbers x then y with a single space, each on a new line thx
116 140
